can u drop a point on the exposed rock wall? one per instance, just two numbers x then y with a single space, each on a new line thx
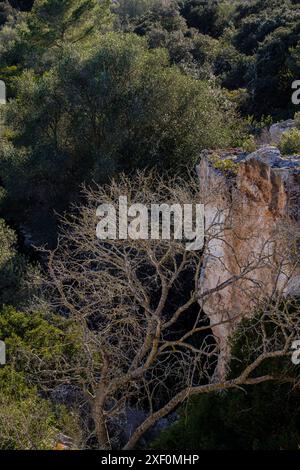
251 215
277 129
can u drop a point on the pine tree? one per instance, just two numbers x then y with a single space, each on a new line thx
55 23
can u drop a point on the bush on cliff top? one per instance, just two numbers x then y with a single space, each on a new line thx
290 142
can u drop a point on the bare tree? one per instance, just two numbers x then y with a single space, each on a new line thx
145 341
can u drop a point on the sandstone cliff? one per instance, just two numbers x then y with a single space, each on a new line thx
252 216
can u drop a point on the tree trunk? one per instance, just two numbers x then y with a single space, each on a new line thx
100 426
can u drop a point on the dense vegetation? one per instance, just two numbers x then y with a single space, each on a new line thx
266 417
191 66
98 88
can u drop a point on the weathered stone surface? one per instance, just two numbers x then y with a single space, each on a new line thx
269 155
276 130
245 213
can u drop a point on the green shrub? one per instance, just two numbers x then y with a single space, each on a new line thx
29 419
290 142
237 420
249 145
226 166
297 119
29 422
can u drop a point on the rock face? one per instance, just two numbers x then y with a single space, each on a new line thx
248 199
276 130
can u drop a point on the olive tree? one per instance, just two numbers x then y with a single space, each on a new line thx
118 108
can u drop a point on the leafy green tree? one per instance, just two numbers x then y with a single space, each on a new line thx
268 31
208 17
232 67
54 23
4 12
164 26
259 21
12 46
127 11
272 86
36 39
118 108
249 45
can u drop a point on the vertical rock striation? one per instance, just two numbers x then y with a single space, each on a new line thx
251 216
